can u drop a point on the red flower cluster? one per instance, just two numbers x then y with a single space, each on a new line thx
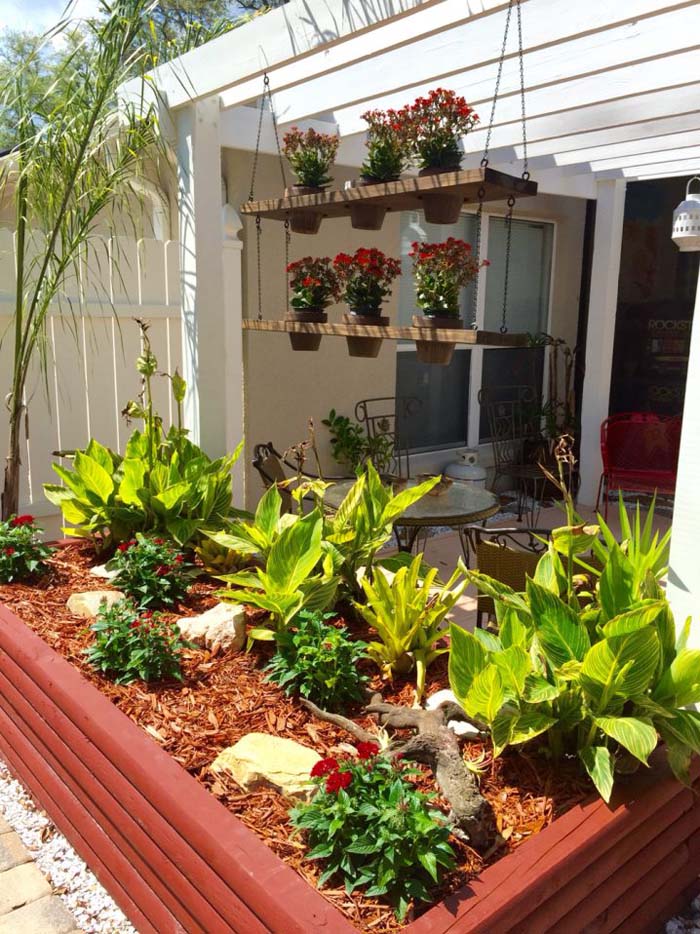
125 546
336 777
338 780
453 256
314 282
145 621
17 521
367 261
324 767
9 551
367 750
163 570
296 140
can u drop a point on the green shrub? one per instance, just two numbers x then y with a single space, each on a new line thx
318 661
132 643
151 571
374 829
22 554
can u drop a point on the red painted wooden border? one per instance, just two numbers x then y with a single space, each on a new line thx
177 861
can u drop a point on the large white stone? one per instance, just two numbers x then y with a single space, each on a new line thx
86 605
100 570
259 759
460 727
223 624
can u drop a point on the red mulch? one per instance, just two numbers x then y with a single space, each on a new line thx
224 696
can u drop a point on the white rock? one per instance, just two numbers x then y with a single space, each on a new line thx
87 604
460 727
100 570
261 759
223 624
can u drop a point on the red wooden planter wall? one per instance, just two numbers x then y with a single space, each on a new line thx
176 860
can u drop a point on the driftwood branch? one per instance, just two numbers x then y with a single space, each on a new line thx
337 720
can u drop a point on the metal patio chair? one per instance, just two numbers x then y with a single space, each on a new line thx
381 417
270 465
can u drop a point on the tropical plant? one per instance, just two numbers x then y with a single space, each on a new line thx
131 643
440 270
164 483
365 278
434 125
319 661
408 613
386 146
151 571
257 535
22 553
74 159
310 154
352 448
374 829
299 575
599 671
314 283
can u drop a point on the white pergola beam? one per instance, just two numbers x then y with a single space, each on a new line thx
680 167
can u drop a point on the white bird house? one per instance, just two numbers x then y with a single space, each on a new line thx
686 221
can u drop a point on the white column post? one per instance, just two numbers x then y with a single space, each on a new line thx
202 274
602 309
683 588
233 331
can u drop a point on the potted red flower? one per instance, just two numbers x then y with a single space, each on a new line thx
440 270
387 156
314 284
434 126
364 281
310 154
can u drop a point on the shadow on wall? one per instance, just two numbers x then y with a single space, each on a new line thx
356 14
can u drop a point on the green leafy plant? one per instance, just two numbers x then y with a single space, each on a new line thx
353 448
386 146
257 535
310 154
433 127
440 270
131 643
374 829
164 482
408 612
313 282
22 554
318 661
151 571
600 672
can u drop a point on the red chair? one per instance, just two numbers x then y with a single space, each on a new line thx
640 453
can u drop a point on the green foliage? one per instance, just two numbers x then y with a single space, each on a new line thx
132 643
373 828
353 448
602 676
22 554
151 571
409 615
257 536
318 661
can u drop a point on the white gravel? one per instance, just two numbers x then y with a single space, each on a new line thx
93 909
689 923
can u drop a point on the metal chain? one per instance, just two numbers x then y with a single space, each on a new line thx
526 174
477 255
487 144
266 95
258 235
287 241
509 230
275 128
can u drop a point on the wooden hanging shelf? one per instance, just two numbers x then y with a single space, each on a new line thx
439 335
403 195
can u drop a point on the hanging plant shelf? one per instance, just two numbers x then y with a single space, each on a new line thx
407 194
437 335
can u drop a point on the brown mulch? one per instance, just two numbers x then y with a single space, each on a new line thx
224 696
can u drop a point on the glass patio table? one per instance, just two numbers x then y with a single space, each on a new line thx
457 506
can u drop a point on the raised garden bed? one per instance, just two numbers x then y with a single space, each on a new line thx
178 859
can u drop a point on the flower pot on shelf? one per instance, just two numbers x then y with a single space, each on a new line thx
306 316
304 220
433 351
441 207
365 216
364 346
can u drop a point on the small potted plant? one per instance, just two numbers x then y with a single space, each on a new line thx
434 126
314 284
440 270
310 155
364 280
386 160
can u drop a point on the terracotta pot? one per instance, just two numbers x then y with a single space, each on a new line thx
304 220
365 216
364 346
441 207
306 316
432 351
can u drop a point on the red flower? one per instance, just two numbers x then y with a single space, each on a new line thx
9 551
123 547
367 750
162 570
134 624
338 780
132 542
324 767
22 520
158 541
179 559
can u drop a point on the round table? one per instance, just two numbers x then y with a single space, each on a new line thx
457 506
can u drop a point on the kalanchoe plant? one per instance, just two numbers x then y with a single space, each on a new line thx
22 554
440 270
434 126
365 278
374 829
131 643
387 146
314 283
310 154
151 571
318 661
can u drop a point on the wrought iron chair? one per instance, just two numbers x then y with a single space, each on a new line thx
509 555
640 454
381 417
270 464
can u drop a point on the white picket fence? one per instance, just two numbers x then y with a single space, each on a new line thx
92 351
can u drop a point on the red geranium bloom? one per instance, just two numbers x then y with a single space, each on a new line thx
367 750
123 547
338 780
22 520
162 570
179 559
9 551
158 541
324 767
